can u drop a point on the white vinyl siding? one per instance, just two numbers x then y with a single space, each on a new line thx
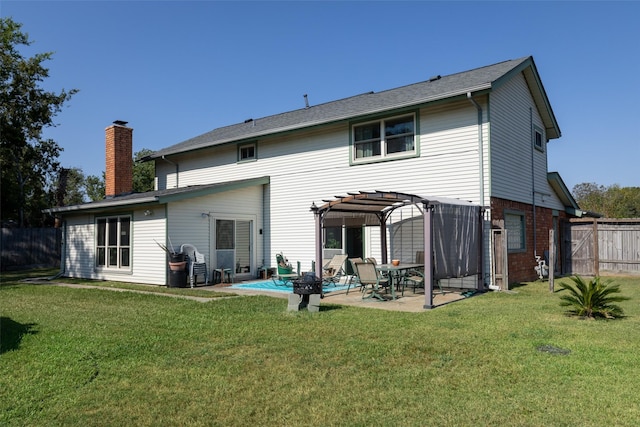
187 224
148 261
310 166
516 166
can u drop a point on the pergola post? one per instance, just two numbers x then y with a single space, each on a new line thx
383 238
428 255
318 219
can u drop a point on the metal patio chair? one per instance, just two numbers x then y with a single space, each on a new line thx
369 276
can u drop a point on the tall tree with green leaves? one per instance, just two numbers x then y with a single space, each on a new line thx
95 187
144 174
28 162
611 202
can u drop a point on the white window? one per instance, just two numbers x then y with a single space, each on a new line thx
538 142
247 152
383 139
514 223
113 240
333 238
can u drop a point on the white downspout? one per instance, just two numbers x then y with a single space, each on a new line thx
533 182
481 179
480 147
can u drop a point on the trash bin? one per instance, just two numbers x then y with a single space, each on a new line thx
178 278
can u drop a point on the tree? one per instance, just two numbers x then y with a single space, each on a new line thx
70 187
27 162
612 202
95 187
144 174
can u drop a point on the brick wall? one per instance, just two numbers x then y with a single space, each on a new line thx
521 264
119 160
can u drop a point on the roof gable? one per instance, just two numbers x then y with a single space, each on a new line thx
435 89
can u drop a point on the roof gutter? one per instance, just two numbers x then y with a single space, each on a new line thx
98 206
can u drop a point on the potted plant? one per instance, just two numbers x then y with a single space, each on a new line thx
176 259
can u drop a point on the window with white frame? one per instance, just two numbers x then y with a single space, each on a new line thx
247 152
538 141
514 222
387 138
113 242
333 238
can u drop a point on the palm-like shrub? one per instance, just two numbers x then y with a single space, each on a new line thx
592 299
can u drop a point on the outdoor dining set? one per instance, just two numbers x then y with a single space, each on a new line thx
377 281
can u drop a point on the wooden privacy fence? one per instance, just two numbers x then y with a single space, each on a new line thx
596 245
30 247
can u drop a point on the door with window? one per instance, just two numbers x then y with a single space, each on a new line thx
233 240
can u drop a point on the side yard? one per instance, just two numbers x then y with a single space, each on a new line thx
91 357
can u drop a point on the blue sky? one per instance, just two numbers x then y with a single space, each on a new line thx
176 69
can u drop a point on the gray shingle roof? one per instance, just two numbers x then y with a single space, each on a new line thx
356 106
158 196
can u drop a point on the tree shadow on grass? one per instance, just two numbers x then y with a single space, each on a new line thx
11 333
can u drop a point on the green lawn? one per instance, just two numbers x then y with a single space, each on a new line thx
95 357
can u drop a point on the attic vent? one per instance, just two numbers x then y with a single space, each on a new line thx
434 78
248 120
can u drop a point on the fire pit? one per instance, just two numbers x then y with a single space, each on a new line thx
307 285
307 291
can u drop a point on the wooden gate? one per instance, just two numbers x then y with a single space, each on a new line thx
580 259
499 261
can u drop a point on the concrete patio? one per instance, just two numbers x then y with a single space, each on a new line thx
410 302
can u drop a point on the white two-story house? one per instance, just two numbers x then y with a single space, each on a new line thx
243 193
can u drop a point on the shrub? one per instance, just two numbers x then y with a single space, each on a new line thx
592 299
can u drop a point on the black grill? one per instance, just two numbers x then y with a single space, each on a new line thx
307 285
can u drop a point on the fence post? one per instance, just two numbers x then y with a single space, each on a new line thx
596 250
552 258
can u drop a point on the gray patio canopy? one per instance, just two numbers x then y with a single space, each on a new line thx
451 230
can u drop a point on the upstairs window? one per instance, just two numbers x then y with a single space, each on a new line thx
382 139
538 142
113 242
247 152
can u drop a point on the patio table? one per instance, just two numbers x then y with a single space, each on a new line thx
395 273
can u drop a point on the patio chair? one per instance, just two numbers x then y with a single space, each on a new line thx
334 269
196 264
354 277
369 276
285 272
415 278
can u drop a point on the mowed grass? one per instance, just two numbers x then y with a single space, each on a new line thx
95 357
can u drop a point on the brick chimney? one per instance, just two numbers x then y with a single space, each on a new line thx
119 156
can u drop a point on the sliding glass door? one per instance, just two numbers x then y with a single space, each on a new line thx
234 245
